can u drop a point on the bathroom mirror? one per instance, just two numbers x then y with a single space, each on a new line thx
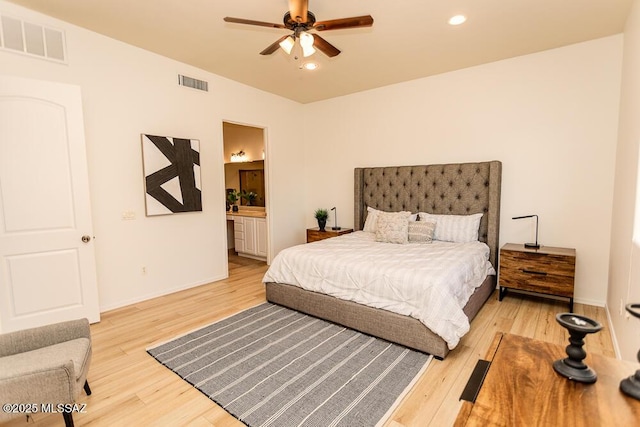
252 181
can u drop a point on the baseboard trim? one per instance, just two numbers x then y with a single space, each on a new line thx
612 331
590 302
152 295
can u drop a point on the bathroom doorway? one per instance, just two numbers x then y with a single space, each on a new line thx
246 180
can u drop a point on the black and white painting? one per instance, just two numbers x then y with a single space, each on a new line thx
171 174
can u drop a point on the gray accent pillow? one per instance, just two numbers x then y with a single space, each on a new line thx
421 231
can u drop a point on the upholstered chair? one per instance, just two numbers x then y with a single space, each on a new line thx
46 366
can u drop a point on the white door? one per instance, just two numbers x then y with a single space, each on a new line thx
47 262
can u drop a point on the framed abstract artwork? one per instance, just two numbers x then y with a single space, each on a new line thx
171 175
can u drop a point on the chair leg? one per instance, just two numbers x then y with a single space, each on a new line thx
86 388
68 419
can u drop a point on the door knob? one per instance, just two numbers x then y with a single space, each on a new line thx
86 239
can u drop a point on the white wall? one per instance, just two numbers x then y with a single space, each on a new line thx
624 272
550 117
128 91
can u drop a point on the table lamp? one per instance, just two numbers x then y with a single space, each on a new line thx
335 219
530 245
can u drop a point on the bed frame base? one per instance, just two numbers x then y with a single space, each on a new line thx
384 324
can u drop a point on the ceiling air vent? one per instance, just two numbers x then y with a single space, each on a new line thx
32 39
193 83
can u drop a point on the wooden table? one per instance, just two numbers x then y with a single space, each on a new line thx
522 389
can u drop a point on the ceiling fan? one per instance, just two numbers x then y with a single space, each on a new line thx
300 20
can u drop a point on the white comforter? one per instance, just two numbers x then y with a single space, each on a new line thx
430 282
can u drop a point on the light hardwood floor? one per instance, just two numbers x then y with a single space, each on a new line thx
131 388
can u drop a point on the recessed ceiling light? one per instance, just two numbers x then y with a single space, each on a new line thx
457 20
310 65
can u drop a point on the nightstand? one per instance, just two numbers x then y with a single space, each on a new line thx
547 270
314 234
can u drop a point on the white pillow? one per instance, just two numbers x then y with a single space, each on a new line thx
392 227
455 228
421 231
372 219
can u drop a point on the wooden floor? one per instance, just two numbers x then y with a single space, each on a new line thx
131 388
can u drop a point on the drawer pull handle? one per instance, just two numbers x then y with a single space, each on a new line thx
541 273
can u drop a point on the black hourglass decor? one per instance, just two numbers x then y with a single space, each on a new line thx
572 367
631 385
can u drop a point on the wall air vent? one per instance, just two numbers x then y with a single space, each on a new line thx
193 83
30 39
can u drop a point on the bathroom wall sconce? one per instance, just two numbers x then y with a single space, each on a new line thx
239 157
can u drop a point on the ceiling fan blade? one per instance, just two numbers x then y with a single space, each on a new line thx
250 22
338 24
325 47
298 10
273 47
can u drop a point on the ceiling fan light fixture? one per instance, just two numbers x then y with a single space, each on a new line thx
306 41
287 44
308 51
457 20
299 20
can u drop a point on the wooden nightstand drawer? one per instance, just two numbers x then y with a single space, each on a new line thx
534 281
547 270
314 234
557 265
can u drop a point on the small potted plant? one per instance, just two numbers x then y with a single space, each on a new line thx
249 196
232 198
321 216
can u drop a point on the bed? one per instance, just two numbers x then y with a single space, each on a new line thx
449 189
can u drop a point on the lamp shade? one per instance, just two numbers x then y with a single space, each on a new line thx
287 44
306 41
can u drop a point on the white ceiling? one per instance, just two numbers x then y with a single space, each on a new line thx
409 39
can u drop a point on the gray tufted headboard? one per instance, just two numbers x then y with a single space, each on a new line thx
457 189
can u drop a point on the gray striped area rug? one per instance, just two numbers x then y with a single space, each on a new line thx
271 366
